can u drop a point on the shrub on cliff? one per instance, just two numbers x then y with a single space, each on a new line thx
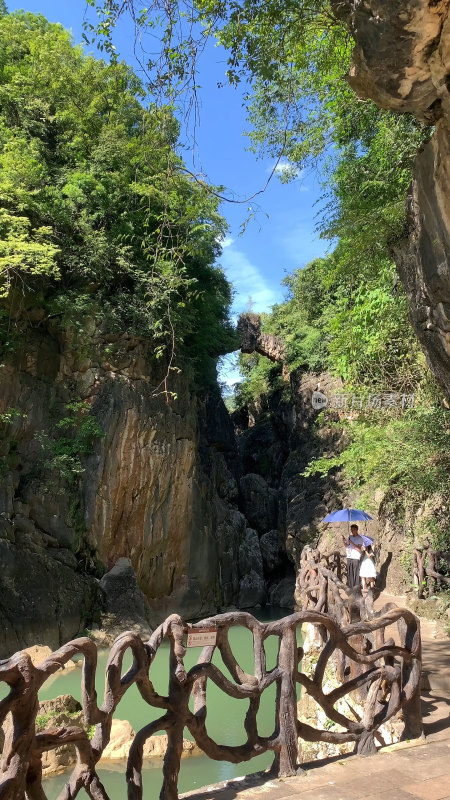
97 216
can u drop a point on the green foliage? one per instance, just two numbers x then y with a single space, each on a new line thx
300 321
8 417
43 720
434 530
96 211
23 250
64 454
62 466
370 339
8 444
260 377
408 451
258 36
90 732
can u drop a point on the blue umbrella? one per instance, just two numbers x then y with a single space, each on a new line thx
351 515
347 515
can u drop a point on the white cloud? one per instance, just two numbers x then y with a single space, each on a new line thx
248 283
227 241
285 169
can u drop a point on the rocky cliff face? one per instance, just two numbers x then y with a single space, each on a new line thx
160 493
44 596
402 62
276 442
423 255
401 55
157 489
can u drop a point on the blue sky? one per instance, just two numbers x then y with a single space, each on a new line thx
281 237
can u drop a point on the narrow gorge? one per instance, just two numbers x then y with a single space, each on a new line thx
120 463
201 511
194 375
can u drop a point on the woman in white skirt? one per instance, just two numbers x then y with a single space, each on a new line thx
367 571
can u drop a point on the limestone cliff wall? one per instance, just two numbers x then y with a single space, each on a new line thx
423 255
43 595
277 439
157 489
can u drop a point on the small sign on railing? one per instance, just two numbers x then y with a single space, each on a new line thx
201 637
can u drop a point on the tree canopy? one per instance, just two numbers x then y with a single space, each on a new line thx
97 217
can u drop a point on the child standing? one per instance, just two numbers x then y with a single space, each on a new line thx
368 571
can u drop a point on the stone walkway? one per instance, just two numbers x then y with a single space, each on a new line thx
416 770
421 772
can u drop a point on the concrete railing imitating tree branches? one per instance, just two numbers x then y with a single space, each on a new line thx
389 673
426 575
320 588
319 584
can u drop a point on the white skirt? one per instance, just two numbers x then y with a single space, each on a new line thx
367 569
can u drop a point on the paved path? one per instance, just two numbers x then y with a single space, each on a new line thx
417 770
421 772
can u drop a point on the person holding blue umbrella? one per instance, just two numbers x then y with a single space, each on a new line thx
354 543
353 552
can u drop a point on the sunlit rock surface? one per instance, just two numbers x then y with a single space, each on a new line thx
401 57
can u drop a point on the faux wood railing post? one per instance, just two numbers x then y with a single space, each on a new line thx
412 717
287 704
428 575
19 734
367 634
419 566
178 700
409 632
